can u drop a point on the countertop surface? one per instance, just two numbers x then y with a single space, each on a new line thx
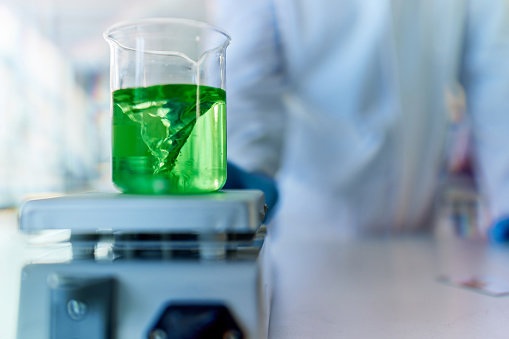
385 287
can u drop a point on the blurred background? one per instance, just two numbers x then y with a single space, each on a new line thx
55 101
54 97
55 119
54 91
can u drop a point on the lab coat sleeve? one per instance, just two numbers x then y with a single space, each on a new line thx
255 83
485 77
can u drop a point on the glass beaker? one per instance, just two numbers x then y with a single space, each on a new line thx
168 106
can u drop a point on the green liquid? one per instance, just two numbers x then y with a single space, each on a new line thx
166 141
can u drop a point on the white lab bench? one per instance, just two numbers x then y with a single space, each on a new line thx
367 288
386 288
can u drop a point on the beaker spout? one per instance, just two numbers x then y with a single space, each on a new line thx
188 39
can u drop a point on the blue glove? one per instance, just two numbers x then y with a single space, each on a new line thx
499 231
237 178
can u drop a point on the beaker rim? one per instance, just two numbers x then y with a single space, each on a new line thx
136 22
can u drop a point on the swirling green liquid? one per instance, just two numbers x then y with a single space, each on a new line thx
169 139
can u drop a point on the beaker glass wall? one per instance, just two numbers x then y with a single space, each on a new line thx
168 106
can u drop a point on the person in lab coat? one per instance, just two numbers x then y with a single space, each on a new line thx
345 103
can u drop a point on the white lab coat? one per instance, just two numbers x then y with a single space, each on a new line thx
345 103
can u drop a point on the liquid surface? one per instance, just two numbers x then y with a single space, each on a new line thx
169 139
